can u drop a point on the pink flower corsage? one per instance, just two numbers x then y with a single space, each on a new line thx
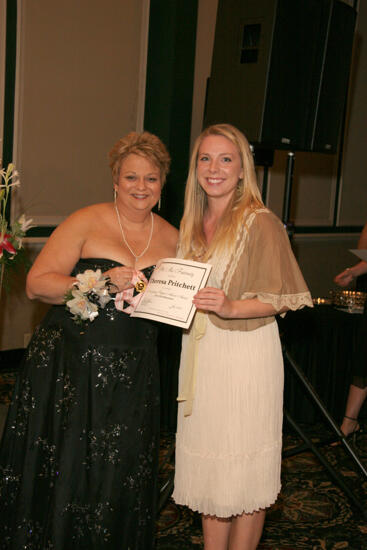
128 299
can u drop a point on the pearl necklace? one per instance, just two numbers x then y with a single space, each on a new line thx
136 256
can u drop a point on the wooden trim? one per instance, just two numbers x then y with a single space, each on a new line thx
143 65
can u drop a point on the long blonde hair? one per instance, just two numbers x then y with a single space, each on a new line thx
246 198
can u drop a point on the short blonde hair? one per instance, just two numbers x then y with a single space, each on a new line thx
246 197
145 145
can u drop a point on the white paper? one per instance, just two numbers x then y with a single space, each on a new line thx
171 288
360 252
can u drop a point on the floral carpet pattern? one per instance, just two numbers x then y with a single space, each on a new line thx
7 380
311 512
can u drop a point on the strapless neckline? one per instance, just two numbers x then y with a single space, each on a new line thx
108 260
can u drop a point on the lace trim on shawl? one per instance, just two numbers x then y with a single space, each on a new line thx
242 239
291 301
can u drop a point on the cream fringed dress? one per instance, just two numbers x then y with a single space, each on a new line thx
229 439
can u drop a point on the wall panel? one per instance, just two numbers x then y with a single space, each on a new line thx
79 88
353 198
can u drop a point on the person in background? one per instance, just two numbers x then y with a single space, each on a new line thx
229 434
358 388
357 271
79 457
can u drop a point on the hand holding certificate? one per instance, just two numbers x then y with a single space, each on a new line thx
171 288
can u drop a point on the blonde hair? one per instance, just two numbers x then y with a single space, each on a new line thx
145 145
246 197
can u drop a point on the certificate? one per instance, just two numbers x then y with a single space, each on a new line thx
171 288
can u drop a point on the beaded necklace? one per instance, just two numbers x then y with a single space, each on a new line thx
136 256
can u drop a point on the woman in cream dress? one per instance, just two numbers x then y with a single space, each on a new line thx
229 435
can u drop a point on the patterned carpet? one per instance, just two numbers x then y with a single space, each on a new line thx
311 512
7 380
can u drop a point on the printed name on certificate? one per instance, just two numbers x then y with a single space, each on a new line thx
171 288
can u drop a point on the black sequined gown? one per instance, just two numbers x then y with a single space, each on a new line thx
79 455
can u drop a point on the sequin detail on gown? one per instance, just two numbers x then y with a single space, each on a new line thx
79 456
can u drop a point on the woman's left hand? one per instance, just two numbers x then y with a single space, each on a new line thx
344 278
214 299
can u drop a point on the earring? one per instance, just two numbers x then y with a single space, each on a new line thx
239 187
159 204
114 194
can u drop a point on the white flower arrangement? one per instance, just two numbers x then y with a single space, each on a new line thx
87 295
11 237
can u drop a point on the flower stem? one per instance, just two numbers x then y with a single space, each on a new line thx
1 277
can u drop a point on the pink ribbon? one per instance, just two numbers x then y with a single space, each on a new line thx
133 295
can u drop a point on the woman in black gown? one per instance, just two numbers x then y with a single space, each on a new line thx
78 461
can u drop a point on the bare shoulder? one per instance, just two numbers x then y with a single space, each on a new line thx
84 218
88 213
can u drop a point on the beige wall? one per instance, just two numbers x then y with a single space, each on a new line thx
353 207
80 87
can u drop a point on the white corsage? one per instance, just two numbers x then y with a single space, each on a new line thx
87 295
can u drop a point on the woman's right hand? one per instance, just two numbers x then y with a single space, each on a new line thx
120 278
